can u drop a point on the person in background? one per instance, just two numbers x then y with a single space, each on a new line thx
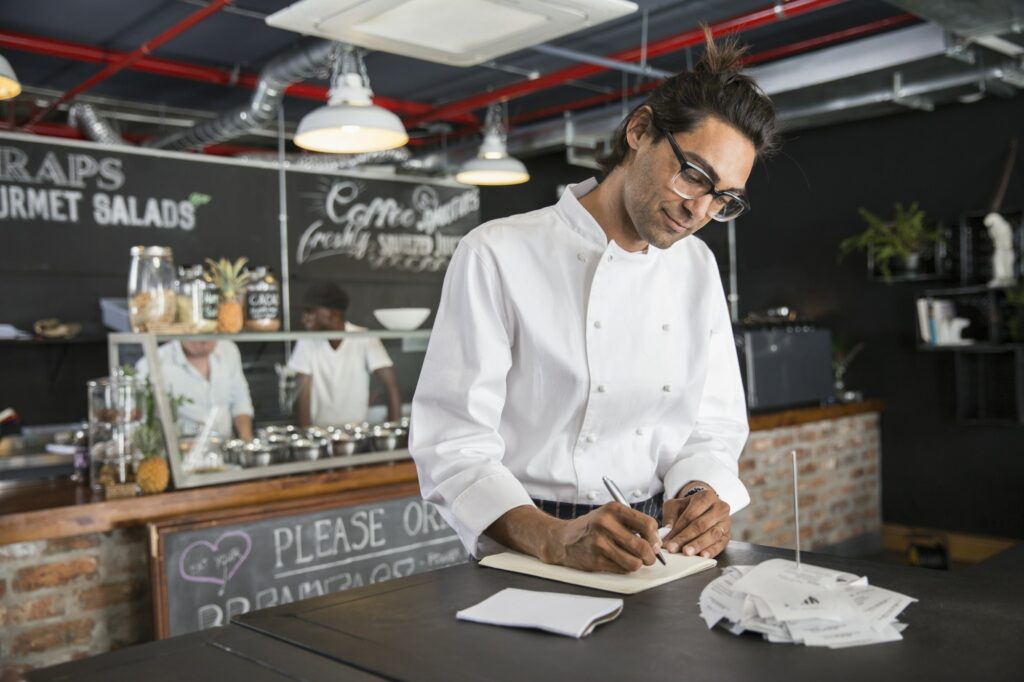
334 375
592 339
208 374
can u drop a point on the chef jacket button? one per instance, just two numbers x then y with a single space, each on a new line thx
610 258
591 438
637 493
592 495
667 388
581 257
601 388
665 327
597 324
640 432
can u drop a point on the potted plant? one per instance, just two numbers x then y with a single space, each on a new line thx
842 356
230 280
904 239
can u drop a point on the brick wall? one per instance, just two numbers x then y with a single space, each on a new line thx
838 462
73 597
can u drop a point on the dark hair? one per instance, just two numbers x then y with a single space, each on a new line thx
716 88
325 295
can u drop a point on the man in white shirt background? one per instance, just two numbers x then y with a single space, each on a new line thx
334 374
208 374
591 339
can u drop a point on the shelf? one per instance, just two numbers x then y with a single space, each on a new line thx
973 348
194 480
972 290
131 337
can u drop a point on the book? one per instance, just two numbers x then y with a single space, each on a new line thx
571 615
676 566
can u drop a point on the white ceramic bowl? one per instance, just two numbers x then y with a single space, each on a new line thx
401 319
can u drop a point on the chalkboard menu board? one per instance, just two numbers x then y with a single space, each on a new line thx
206 572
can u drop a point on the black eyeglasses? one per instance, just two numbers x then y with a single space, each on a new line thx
693 182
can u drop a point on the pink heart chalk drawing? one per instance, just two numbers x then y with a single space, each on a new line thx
207 562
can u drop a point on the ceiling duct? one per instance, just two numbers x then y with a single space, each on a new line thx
92 125
333 162
969 18
299 64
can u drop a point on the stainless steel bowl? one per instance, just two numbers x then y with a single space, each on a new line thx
388 439
343 444
306 450
231 450
316 433
255 454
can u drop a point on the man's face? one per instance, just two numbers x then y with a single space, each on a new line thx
320 319
198 349
659 215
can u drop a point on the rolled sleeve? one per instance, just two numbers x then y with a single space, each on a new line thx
376 356
459 399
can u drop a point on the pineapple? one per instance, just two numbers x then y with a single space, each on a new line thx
153 475
229 278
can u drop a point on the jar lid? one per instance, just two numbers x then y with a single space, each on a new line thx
152 251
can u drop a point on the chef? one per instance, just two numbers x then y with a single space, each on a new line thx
334 374
592 338
207 374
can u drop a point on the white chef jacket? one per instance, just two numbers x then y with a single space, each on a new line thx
226 386
557 358
340 377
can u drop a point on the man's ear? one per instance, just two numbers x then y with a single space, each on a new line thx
639 125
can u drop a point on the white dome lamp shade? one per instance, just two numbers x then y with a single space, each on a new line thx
350 123
492 165
10 87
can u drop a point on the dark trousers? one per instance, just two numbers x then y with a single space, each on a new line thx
570 510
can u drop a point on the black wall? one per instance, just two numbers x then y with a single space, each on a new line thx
935 472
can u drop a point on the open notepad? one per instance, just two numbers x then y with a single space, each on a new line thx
677 566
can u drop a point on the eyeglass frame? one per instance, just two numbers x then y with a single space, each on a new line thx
684 164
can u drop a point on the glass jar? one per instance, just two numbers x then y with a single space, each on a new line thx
209 296
185 287
152 302
263 301
115 414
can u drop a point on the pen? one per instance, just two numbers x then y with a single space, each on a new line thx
621 499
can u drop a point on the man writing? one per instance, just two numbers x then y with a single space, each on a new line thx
592 339
334 375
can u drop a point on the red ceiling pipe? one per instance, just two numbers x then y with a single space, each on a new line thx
766 55
185 70
133 56
831 38
695 36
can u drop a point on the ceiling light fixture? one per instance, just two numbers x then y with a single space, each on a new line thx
10 87
493 165
350 123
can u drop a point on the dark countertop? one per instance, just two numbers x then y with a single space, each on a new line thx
962 628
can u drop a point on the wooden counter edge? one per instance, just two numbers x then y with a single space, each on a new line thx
99 517
804 415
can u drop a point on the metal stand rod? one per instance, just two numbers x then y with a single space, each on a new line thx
796 510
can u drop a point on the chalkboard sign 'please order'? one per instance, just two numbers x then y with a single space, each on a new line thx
210 571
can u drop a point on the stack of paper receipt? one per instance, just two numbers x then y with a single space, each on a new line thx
803 605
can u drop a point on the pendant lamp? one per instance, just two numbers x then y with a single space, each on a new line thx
493 165
9 85
350 123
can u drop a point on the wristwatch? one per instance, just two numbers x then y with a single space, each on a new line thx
693 491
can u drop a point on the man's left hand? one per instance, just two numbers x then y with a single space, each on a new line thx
700 523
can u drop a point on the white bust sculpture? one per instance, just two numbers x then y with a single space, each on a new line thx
1001 234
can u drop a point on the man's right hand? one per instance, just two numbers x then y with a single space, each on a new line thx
613 538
